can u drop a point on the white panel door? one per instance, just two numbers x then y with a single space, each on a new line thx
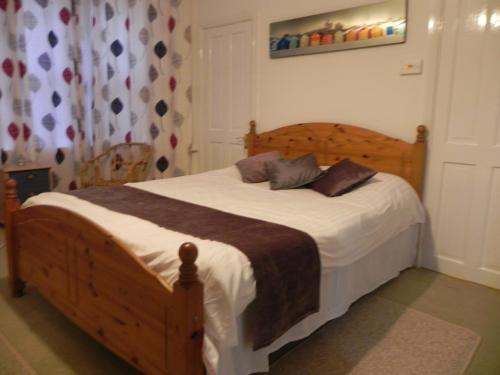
464 182
227 93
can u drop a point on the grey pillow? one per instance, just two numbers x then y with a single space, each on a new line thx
253 168
290 174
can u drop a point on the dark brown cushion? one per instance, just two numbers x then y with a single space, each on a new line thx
290 174
253 168
341 178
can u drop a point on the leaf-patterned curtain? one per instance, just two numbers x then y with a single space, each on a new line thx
78 76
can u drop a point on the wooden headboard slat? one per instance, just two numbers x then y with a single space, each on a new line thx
331 143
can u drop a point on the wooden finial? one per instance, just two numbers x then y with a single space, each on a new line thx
253 127
10 189
421 131
188 252
250 138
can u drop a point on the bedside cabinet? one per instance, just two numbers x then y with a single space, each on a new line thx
31 179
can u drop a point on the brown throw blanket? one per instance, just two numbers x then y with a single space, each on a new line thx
285 261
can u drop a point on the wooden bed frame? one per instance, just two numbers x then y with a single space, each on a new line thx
101 285
331 143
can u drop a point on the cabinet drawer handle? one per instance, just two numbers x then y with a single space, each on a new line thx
30 177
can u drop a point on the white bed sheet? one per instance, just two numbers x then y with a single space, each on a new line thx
340 288
345 228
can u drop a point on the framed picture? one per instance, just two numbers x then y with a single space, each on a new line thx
371 25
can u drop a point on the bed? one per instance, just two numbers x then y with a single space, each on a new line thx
110 284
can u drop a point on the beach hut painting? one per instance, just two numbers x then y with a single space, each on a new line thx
371 25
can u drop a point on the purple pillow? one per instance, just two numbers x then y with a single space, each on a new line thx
291 174
253 168
341 178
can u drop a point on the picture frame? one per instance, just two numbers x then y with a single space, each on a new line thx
372 25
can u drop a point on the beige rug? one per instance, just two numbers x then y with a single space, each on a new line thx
381 337
11 362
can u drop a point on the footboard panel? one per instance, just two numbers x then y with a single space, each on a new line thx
105 289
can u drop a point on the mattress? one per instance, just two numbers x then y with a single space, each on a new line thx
345 228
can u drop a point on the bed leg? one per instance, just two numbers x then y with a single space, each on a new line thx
187 330
11 206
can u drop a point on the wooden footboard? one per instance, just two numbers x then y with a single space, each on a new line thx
105 289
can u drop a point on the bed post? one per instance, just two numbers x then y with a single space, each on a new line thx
11 206
250 138
186 357
419 160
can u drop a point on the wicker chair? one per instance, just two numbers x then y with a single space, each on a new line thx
122 163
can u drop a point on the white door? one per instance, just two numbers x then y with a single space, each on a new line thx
463 193
226 93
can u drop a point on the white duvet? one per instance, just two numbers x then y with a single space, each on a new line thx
345 228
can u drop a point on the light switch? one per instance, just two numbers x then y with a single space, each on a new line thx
411 67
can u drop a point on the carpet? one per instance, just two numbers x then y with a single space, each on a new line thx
11 362
376 337
381 337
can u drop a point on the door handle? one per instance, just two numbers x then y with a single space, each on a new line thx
192 150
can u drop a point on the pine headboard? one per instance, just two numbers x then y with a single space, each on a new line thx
331 142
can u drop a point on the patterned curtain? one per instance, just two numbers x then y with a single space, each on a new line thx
78 76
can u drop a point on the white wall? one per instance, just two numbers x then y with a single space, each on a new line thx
360 87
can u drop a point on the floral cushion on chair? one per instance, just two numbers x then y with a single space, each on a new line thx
120 164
